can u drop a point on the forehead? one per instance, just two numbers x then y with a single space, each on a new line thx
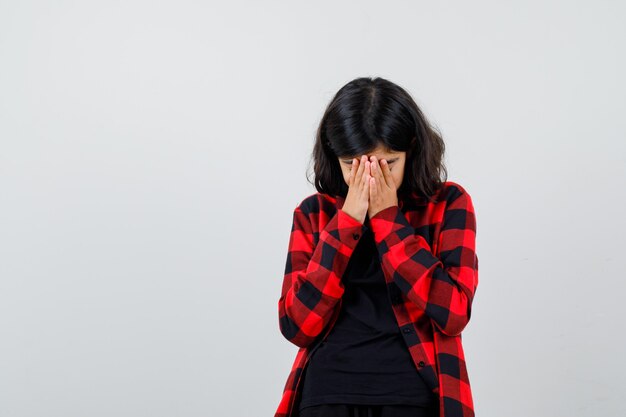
379 153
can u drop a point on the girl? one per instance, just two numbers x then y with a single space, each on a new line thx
381 268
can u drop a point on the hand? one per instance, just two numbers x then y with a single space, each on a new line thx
357 199
382 189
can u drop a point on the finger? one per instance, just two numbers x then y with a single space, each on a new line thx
378 183
374 191
355 167
352 171
361 168
387 173
377 171
365 180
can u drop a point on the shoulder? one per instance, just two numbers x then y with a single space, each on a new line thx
316 202
459 210
453 191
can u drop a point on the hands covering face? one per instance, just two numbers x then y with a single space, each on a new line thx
382 188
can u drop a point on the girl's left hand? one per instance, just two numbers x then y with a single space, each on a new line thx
383 192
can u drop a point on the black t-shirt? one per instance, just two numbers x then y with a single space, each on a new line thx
364 359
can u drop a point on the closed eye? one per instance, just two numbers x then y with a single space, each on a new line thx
349 162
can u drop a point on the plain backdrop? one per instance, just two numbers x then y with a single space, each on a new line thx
152 153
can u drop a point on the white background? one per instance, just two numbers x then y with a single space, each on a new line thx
152 153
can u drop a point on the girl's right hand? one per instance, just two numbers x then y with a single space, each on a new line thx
357 199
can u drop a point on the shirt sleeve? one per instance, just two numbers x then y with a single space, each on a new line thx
443 287
312 283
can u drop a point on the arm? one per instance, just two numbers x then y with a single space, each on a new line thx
443 287
312 283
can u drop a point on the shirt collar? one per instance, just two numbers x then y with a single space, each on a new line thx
417 200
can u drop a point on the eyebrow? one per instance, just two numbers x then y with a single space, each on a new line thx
390 160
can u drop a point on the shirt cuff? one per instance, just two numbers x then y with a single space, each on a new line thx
387 221
349 229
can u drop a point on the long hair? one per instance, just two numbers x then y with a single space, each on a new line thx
370 112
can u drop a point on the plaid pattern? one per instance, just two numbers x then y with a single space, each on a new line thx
427 253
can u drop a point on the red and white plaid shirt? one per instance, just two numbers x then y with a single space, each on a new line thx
428 257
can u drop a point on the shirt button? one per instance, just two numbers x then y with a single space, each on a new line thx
355 236
421 364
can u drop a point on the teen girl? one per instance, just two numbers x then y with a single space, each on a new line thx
382 268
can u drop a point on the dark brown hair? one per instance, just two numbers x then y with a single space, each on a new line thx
370 112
